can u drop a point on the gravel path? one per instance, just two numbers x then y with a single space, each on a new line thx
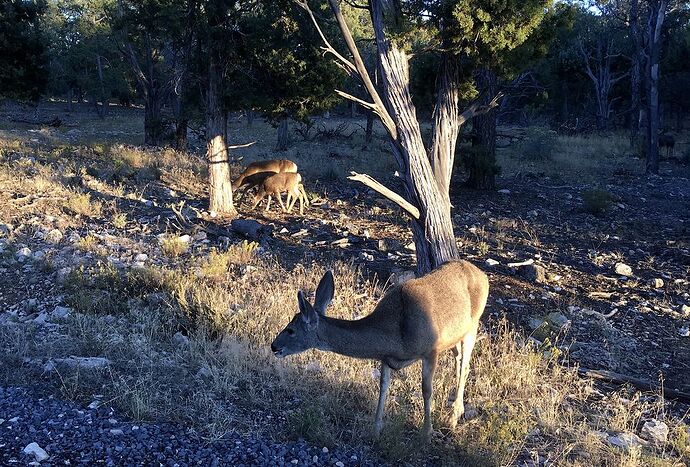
71 435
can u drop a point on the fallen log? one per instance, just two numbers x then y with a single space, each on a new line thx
639 383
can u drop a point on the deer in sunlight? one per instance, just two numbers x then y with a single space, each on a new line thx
278 183
415 320
267 167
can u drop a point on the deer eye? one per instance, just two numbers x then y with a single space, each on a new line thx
291 332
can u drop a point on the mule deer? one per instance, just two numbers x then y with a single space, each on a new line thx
416 320
277 166
278 183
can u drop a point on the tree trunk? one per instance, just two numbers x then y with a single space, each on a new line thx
433 231
220 189
70 99
153 123
482 166
353 109
181 134
283 135
445 124
250 116
368 133
104 99
657 14
635 72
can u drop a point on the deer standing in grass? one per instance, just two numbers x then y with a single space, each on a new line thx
276 184
416 320
270 166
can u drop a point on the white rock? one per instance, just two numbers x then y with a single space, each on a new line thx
623 269
33 449
94 405
366 256
184 238
23 253
685 309
180 340
504 191
200 236
491 262
684 331
116 432
61 312
84 362
626 440
655 431
41 318
141 257
656 283
54 236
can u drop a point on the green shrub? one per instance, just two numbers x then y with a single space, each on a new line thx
596 201
538 144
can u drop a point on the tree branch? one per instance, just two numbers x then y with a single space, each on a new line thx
363 103
476 108
387 193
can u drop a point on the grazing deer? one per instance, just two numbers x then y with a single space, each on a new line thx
667 141
278 183
416 320
277 166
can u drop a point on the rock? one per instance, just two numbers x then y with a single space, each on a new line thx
504 191
491 262
626 441
250 228
403 276
42 318
388 244
84 362
533 273
30 305
655 431
180 340
54 237
141 257
200 236
557 320
684 331
657 283
411 247
685 309
623 269
366 256
33 449
23 254
38 255
116 432
49 367
184 238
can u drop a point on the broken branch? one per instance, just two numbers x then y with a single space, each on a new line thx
385 192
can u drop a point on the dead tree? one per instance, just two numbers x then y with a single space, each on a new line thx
425 175
599 61
655 21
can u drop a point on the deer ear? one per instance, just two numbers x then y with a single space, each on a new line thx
324 293
307 311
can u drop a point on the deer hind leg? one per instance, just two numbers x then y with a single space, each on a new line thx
304 194
268 203
428 370
385 382
280 200
462 358
291 199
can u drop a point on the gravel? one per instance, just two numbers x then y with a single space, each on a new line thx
71 434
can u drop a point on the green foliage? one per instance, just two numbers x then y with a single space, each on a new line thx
538 144
596 201
23 61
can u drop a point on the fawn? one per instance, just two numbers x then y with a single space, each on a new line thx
416 320
275 184
270 166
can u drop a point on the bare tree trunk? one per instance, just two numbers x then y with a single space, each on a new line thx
657 15
483 166
70 99
433 231
369 132
250 116
446 123
635 72
181 127
220 189
153 123
283 142
103 110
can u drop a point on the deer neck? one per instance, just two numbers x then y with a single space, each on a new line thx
350 338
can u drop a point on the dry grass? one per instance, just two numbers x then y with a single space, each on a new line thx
172 246
525 398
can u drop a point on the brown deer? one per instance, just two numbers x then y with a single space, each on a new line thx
416 320
276 166
275 184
